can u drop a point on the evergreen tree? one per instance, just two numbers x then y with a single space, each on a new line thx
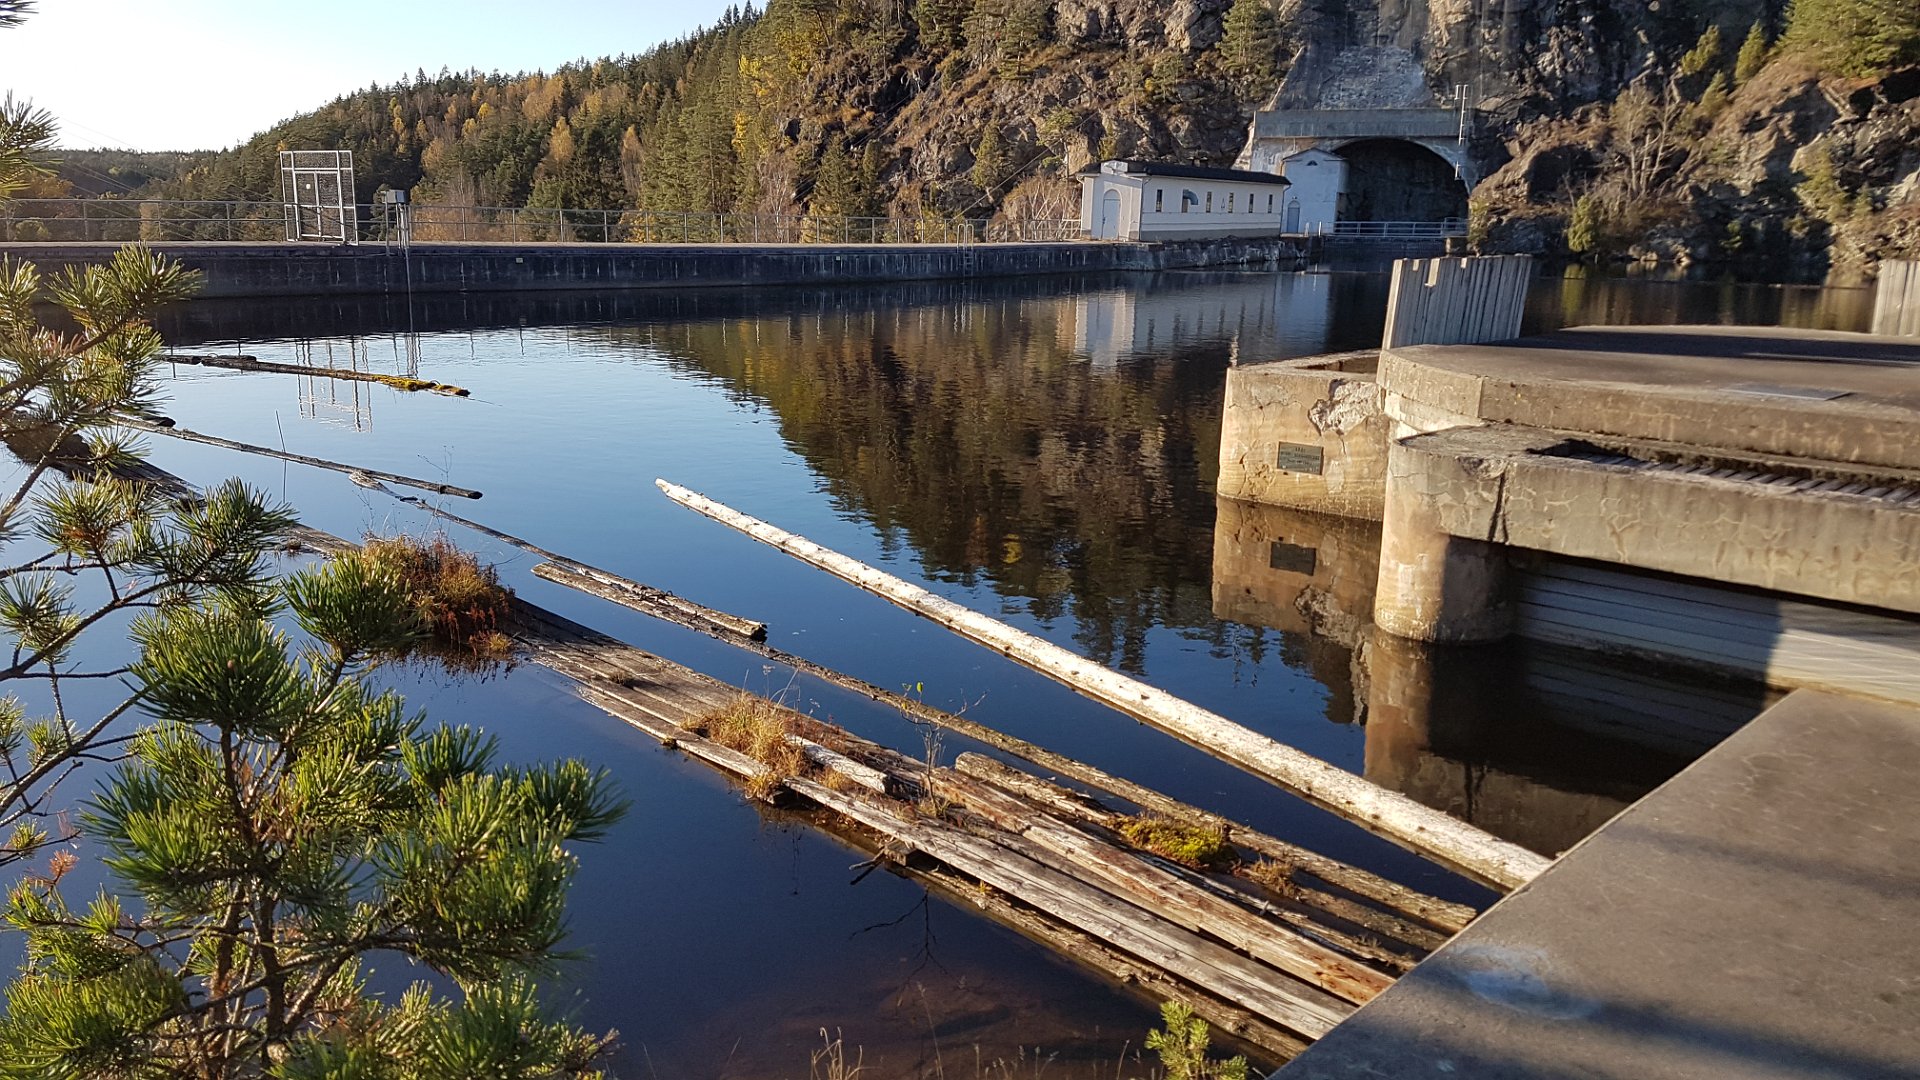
990 158
26 134
1584 226
941 23
869 204
1249 47
835 183
1705 56
1753 55
279 822
1856 37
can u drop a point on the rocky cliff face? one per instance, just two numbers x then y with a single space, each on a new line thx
1798 172
1120 78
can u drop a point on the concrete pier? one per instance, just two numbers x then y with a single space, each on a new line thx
1308 434
269 270
1750 918
1779 460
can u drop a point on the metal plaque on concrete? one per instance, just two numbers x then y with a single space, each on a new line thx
1292 558
1300 458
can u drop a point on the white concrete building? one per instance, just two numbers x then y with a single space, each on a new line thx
1148 201
1319 180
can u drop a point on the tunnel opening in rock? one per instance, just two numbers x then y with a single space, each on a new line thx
1396 180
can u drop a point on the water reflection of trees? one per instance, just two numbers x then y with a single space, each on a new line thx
972 434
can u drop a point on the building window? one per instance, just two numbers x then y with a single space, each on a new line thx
1159 199
1231 196
1269 204
1209 202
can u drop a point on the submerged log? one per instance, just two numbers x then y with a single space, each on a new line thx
1239 981
251 363
1388 923
644 598
174 432
1119 871
1302 1008
1411 903
1104 959
1389 814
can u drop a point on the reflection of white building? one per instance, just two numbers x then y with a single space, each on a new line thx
1319 179
1148 201
1258 317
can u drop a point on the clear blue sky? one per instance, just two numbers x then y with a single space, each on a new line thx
202 74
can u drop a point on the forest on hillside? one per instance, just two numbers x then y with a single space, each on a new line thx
1722 126
948 108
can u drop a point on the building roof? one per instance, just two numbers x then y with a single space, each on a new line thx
1185 172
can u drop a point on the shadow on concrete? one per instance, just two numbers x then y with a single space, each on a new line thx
1626 1035
1744 343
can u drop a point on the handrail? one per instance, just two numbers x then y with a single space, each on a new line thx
1411 230
132 220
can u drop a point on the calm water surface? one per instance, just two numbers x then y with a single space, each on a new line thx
1043 450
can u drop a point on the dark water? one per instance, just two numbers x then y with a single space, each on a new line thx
1042 450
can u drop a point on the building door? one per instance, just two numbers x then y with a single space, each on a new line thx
1109 217
1293 216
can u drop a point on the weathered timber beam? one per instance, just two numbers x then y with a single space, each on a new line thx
1103 959
251 363
174 432
1386 923
1294 1004
1114 869
1389 814
1444 914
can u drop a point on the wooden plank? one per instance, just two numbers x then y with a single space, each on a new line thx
1456 301
1420 828
1386 922
1722 624
1305 1009
1160 892
1101 958
1723 604
1870 637
255 364
1393 896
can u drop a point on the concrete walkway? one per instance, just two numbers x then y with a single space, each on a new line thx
1820 394
1755 917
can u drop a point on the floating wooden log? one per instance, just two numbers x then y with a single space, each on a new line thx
1166 895
1103 959
173 431
1386 921
1389 814
1302 1008
1443 914
252 363
1243 983
644 597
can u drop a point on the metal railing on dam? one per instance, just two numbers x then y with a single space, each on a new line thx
1400 230
149 220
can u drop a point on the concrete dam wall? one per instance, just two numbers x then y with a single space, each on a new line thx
269 270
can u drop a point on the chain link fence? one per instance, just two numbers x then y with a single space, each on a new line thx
122 221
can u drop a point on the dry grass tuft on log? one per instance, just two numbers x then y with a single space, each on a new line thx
460 600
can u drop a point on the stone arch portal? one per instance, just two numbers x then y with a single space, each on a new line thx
1403 180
